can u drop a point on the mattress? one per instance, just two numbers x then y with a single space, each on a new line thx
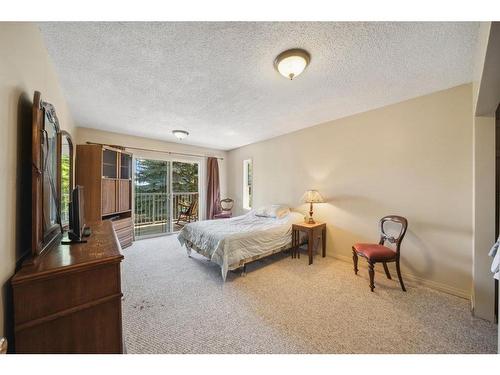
228 242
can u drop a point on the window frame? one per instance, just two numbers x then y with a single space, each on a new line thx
248 184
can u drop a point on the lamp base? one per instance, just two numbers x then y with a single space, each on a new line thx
311 220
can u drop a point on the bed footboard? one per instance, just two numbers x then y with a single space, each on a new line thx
240 264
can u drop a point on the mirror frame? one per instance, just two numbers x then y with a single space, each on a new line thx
60 136
42 239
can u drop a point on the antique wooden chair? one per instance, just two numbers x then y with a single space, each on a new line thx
188 212
378 253
226 206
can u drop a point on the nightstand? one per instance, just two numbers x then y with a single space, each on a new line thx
313 231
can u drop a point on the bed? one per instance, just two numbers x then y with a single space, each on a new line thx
232 243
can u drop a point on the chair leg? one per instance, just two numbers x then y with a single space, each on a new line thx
398 269
386 269
355 261
371 272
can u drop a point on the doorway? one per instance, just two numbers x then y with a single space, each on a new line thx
497 193
166 196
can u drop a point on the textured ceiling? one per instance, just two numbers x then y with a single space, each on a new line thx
217 80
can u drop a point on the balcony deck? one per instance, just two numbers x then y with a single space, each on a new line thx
152 212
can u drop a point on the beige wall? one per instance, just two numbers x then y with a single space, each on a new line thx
24 67
486 96
93 135
483 216
413 158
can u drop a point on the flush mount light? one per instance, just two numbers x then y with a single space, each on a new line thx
180 134
292 62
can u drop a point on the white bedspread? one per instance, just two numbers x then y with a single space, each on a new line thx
227 241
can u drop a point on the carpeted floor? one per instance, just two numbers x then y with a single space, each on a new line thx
176 304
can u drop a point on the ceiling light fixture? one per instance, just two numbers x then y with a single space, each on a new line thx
292 62
180 134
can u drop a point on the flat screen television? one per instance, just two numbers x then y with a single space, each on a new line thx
76 215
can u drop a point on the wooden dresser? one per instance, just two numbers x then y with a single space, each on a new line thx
69 299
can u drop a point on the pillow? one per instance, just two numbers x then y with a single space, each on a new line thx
277 211
261 212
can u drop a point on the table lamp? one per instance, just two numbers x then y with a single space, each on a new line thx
312 196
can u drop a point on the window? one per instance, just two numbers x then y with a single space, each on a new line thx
247 184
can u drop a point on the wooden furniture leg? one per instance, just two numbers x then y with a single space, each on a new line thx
398 270
387 273
355 261
323 244
310 245
371 272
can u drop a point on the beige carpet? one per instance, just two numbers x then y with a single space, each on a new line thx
176 304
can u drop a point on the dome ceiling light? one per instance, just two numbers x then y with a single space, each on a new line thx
292 62
180 134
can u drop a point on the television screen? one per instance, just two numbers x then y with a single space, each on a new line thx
77 214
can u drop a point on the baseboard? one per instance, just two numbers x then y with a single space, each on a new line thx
418 280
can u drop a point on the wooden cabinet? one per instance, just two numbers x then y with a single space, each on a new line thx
58 298
106 175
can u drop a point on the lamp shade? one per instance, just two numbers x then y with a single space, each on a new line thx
312 196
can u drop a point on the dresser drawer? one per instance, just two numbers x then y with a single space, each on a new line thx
45 296
122 223
124 232
93 329
126 241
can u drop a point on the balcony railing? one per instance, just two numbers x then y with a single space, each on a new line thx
152 211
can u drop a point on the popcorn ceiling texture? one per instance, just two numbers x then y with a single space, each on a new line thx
176 304
217 80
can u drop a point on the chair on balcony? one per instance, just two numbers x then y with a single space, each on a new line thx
378 253
226 206
188 212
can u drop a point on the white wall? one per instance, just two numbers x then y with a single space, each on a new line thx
412 158
93 135
25 66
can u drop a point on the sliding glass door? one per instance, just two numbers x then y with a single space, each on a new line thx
152 198
166 196
185 202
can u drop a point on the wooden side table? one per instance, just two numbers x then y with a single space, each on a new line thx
313 231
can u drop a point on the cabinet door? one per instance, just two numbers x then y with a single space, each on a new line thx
125 166
108 196
109 163
124 195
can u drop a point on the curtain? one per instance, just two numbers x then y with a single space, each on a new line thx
213 188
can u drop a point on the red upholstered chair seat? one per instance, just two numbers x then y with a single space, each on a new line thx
374 252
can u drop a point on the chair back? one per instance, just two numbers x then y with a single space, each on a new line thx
403 223
193 207
226 204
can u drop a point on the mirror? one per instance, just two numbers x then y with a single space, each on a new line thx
46 161
50 174
65 144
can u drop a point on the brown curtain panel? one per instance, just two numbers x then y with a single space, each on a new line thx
213 189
